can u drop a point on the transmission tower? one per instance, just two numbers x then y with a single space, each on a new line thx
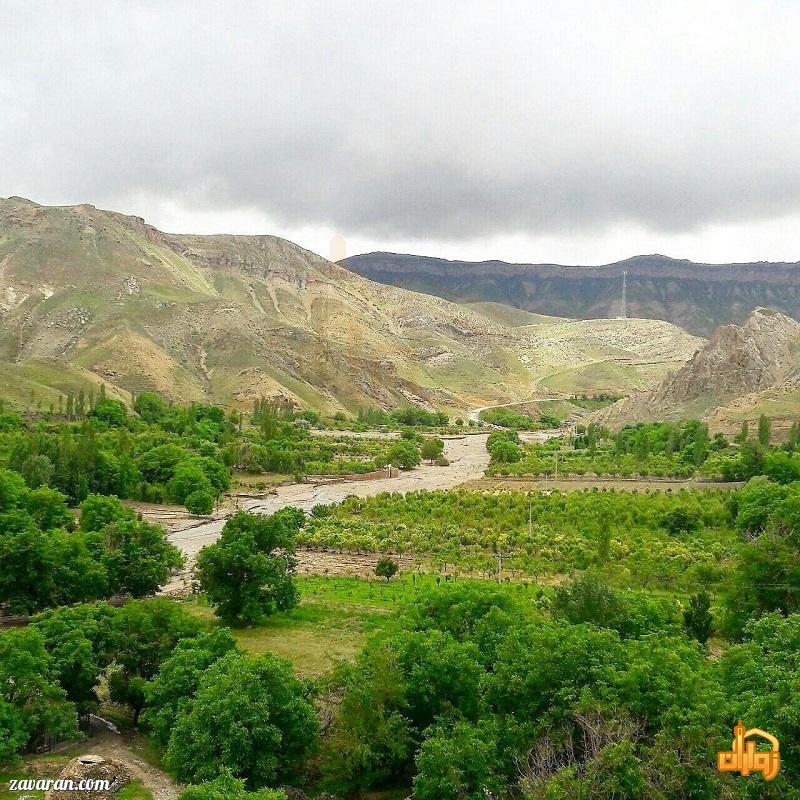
624 313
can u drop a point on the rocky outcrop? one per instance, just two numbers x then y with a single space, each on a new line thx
762 354
106 773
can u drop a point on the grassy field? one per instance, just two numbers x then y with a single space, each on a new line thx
333 619
602 376
134 791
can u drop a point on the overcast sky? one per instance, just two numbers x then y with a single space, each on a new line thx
575 132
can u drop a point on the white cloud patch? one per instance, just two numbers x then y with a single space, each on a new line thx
531 125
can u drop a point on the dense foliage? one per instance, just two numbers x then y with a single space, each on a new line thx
47 562
220 716
471 691
609 680
658 449
518 420
657 539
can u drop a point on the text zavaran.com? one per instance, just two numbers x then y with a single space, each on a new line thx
58 785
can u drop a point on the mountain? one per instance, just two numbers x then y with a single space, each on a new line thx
697 297
88 295
741 372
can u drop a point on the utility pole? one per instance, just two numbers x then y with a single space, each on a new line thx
500 557
624 313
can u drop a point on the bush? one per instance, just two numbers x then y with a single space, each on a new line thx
97 511
112 412
403 454
680 520
226 787
200 502
386 568
431 449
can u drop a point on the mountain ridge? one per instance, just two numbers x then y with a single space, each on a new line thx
92 294
697 296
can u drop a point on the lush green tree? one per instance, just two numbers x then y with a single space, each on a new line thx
48 508
403 454
188 477
80 574
200 501
431 449
29 560
371 741
33 707
697 617
157 464
386 568
226 787
505 452
139 558
680 520
764 430
250 715
603 535
112 412
178 678
37 470
755 503
144 634
782 467
589 598
760 677
461 761
744 433
765 577
45 568
78 639
502 436
98 511
249 571
13 490
150 407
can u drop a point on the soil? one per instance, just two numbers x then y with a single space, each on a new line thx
112 745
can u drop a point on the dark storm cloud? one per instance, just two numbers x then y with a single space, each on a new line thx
448 120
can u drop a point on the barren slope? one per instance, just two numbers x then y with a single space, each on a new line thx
89 295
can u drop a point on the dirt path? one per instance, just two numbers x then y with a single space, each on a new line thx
113 745
468 460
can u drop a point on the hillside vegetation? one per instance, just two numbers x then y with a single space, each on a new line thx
89 296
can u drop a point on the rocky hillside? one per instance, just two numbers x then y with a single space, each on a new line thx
88 295
734 377
697 297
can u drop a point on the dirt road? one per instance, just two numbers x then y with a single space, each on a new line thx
468 460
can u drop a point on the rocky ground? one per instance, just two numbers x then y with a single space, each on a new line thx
468 460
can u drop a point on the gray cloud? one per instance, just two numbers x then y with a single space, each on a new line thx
396 119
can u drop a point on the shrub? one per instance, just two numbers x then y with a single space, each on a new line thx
200 502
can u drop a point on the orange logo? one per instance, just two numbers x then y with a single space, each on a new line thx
743 756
